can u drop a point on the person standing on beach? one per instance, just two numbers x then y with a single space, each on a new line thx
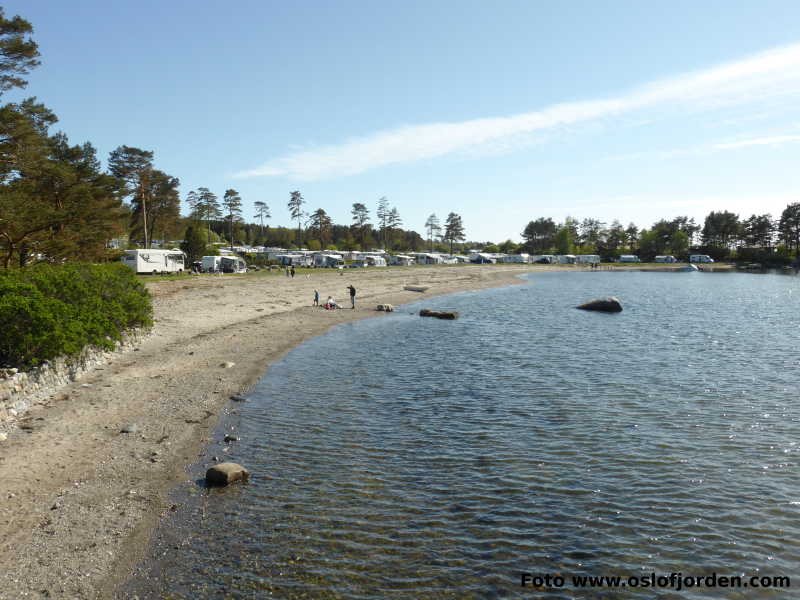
352 296
292 271
316 297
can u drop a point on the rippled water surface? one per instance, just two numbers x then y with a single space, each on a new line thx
403 457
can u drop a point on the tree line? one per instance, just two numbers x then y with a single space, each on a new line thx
723 235
58 204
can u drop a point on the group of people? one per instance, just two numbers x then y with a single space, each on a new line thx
330 303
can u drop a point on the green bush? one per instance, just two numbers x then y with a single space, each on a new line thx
50 311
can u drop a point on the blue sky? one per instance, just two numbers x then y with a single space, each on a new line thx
500 111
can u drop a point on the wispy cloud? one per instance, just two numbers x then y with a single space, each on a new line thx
762 141
767 75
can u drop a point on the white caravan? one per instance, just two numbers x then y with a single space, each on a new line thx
700 258
588 259
154 261
223 264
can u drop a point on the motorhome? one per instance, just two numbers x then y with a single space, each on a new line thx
428 258
401 260
629 258
515 258
223 264
566 259
328 260
374 261
543 259
154 261
588 259
700 258
666 259
295 260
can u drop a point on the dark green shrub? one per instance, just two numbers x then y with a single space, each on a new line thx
50 311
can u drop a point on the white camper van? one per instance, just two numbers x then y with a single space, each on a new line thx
666 259
223 264
629 258
700 258
154 261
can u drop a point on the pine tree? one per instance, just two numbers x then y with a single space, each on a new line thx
433 228
262 212
17 53
453 230
232 202
361 221
295 206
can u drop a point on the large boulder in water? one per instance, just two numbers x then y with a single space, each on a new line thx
610 304
225 473
447 314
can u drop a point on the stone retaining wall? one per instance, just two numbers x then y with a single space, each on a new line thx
20 390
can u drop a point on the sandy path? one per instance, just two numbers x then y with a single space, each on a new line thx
79 499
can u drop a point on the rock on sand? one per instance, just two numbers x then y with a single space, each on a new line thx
225 473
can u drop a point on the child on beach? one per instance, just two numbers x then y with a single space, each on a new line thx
316 298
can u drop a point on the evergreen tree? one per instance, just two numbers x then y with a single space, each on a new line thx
538 235
295 206
232 202
133 167
361 221
262 212
453 230
383 215
18 53
208 206
433 228
789 227
193 244
320 226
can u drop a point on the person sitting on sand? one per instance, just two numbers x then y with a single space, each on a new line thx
330 303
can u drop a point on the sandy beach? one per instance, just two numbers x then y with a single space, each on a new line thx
80 498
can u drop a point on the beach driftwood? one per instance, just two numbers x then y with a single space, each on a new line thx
610 304
225 473
415 288
448 314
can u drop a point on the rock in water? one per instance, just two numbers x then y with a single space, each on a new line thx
447 314
386 307
610 304
225 473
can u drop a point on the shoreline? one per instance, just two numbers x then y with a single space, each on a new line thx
81 500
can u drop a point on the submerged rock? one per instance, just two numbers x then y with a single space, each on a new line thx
225 473
448 314
610 304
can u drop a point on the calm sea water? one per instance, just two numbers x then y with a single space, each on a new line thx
415 458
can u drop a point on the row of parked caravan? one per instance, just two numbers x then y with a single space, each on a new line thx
156 261
578 259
